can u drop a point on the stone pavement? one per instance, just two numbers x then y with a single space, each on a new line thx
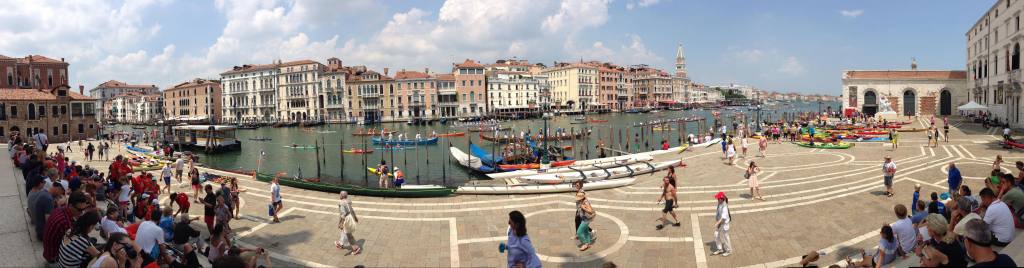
816 199
17 236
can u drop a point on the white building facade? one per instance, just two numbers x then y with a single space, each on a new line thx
249 94
907 92
107 90
514 92
994 61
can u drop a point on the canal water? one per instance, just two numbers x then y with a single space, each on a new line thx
432 164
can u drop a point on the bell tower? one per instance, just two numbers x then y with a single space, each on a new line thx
680 62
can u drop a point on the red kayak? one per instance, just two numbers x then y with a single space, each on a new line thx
872 132
1014 144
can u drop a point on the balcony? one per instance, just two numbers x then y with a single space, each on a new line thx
447 92
369 95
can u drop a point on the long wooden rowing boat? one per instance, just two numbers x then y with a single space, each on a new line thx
547 138
455 134
410 192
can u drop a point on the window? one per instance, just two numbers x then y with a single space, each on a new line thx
55 132
55 111
2 132
76 109
42 111
14 111
64 129
81 128
31 111
3 111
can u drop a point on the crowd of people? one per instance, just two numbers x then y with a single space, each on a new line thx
86 217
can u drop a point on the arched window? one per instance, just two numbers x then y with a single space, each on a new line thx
1015 64
31 111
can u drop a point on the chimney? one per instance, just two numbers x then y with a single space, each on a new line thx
426 70
81 88
385 71
61 59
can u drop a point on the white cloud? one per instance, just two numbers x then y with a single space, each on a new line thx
631 4
106 41
851 13
791 66
749 55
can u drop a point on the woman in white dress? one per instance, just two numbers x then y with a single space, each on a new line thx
731 150
755 185
347 224
743 142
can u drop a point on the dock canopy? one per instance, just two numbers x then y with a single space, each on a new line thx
972 106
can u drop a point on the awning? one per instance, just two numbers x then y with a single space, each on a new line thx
972 106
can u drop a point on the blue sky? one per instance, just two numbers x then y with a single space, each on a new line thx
789 46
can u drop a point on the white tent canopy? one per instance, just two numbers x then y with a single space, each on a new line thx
972 106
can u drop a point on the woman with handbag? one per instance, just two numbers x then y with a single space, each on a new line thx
755 185
347 224
588 214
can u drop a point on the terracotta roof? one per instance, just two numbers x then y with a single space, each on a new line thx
2 57
195 82
38 59
249 68
14 94
468 64
905 75
76 96
298 62
411 75
447 77
115 83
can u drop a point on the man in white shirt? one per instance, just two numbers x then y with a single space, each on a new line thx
1006 133
998 217
888 172
904 229
150 238
178 166
275 195
109 223
41 141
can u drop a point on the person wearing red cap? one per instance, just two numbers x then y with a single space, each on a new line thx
722 219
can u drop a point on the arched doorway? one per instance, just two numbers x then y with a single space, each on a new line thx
945 102
909 103
870 103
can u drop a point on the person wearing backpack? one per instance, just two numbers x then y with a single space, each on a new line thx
588 214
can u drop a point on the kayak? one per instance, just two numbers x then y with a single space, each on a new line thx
708 143
842 145
375 172
536 165
357 151
412 191
872 132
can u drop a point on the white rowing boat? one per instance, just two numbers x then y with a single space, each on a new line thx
539 189
592 164
603 174
708 143
469 161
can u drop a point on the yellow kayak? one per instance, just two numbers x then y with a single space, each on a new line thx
375 172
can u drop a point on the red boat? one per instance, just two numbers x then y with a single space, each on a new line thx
872 132
456 134
1014 144
536 165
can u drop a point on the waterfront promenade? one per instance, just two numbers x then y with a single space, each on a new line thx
815 199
